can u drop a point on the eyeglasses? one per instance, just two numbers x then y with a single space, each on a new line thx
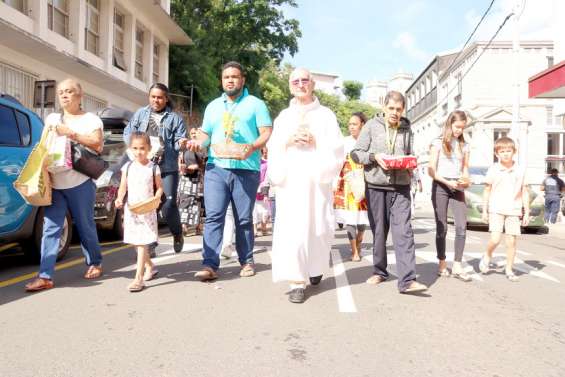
303 81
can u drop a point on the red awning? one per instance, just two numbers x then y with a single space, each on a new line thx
549 83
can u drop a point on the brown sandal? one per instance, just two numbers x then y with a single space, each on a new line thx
39 284
93 272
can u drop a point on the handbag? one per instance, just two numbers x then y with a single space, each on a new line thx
87 162
34 183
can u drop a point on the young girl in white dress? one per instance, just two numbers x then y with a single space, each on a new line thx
139 178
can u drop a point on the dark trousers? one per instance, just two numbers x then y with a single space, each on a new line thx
442 198
391 210
170 208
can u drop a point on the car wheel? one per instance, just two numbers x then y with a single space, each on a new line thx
118 228
33 250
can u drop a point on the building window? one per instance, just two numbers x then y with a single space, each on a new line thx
139 35
119 42
156 55
58 17
497 134
553 144
549 114
18 84
444 109
92 29
92 104
457 100
19 5
555 158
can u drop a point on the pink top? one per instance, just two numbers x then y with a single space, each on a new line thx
506 193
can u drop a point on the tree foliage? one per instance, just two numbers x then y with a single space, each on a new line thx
252 32
273 85
352 89
343 109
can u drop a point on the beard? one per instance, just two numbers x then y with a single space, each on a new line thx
232 92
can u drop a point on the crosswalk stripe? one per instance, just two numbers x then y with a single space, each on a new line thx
345 300
556 264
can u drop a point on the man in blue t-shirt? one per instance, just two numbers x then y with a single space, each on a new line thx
236 117
553 186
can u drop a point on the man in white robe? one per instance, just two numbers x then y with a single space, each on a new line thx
305 156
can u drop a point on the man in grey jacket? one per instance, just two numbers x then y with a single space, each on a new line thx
388 192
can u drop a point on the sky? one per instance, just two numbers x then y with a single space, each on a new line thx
374 39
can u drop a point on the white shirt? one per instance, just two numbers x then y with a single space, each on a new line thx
83 125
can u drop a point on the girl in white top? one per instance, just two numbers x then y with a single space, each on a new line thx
449 168
138 179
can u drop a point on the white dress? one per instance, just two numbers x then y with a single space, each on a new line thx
304 229
139 229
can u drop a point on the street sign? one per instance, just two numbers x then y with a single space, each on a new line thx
44 93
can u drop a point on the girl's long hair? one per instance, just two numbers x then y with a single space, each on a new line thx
456 115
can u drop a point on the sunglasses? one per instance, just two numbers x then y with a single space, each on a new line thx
303 81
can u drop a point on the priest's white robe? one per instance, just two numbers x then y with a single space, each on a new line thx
303 176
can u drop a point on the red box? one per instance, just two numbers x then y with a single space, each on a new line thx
400 162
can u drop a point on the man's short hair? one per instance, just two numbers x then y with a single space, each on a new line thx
504 142
554 171
233 64
395 96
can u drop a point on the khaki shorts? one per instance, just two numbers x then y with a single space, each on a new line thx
499 223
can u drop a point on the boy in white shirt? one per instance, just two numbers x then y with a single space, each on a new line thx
504 199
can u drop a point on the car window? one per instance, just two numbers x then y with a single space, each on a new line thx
23 125
9 134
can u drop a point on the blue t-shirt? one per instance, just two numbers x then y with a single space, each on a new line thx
249 113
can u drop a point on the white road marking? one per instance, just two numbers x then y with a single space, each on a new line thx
523 252
525 268
556 264
430 256
345 300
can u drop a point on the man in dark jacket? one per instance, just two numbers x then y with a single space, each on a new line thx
388 192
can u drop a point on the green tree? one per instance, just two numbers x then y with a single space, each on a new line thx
252 32
273 85
352 89
344 109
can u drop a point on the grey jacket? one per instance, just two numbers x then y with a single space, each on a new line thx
372 141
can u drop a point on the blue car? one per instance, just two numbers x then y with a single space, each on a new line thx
20 131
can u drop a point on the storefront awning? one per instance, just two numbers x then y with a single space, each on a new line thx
549 83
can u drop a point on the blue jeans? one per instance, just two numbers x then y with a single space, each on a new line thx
551 209
79 201
170 208
222 186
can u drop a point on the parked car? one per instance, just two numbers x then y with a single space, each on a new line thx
106 215
20 131
474 202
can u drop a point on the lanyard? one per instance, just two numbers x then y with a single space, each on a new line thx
390 139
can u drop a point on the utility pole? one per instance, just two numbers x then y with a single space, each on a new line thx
519 131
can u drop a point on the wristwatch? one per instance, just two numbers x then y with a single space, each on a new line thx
372 157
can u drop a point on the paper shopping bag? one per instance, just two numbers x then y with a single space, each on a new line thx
33 183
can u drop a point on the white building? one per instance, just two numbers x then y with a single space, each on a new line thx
486 94
328 83
375 90
115 48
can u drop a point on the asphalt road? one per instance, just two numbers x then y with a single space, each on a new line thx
246 326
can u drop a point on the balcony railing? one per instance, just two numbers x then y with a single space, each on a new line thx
425 104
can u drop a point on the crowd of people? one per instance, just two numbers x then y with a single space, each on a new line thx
299 167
